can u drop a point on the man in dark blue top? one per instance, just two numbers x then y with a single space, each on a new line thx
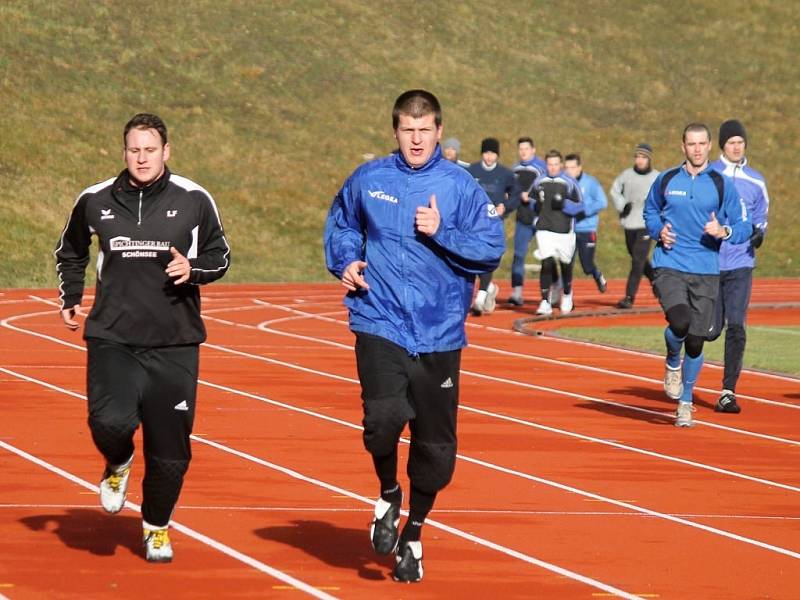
500 185
683 212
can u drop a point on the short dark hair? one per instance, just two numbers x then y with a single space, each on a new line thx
146 121
416 104
693 127
574 156
526 140
552 154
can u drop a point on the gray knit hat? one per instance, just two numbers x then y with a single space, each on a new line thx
645 149
452 143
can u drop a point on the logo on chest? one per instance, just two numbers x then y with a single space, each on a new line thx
381 195
172 213
105 213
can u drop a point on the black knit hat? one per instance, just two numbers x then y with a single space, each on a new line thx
490 145
731 129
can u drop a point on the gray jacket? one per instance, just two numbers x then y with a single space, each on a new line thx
632 187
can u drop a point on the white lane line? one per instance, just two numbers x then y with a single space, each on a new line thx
188 531
316 482
493 467
431 522
533 357
437 511
660 414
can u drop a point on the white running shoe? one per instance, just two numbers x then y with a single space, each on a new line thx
114 486
491 298
157 545
566 304
683 416
673 382
545 308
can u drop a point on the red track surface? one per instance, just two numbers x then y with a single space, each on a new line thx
571 483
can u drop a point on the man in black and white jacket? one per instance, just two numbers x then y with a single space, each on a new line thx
159 236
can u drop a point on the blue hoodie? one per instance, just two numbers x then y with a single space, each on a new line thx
687 204
420 287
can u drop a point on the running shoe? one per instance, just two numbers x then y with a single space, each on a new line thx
114 486
625 303
683 416
157 545
566 305
673 382
602 284
383 529
727 403
545 308
408 562
491 298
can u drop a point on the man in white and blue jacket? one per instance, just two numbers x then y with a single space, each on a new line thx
684 212
407 234
594 200
736 261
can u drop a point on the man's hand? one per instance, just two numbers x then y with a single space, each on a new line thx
667 236
525 197
626 210
68 316
178 267
353 276
427 218
713 228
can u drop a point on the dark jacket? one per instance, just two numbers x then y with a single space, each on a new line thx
136 302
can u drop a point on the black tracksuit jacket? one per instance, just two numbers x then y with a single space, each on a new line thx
136 302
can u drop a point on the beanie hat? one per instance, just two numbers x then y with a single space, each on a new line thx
731 129
490 145
645 149
452 143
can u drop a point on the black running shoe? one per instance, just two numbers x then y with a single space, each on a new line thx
383 530
626 302
408 565
727 404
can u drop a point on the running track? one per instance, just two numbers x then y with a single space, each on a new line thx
571 480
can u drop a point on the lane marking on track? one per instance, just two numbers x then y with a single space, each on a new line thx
318 483
501 416
532 357
188 531
436 511
485 464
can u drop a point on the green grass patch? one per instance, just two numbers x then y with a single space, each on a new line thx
271 105
772 348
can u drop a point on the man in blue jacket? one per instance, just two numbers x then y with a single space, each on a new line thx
594 200
683 212
407 234
736 262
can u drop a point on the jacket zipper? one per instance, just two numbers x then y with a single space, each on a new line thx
140 207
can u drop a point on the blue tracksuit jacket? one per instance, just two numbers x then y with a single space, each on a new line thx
420 287
752 188
687 204
594 200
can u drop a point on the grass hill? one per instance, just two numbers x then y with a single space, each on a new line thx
272 104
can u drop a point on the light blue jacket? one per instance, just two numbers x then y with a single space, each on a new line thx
420 287
752 187
594 200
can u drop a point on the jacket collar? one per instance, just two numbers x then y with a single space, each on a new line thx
401 163
124 186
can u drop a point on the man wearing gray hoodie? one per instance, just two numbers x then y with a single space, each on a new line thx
628 193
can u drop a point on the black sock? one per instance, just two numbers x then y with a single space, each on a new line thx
420 504
386 469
